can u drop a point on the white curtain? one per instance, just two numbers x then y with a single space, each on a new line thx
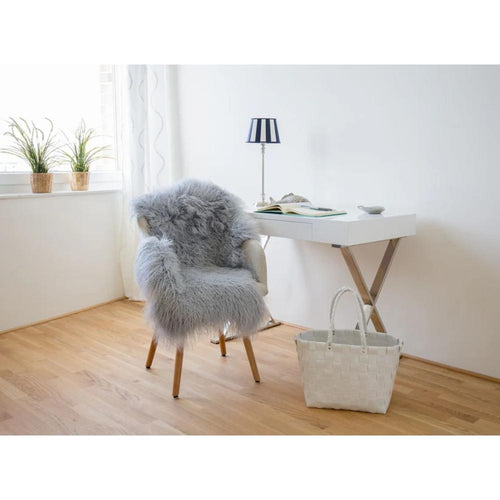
147 146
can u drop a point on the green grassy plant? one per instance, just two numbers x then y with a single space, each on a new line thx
79 152
32 144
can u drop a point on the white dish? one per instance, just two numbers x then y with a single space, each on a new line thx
375 209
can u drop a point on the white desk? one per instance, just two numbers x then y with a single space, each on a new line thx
343 232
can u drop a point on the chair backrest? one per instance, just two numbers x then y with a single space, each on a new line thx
206 224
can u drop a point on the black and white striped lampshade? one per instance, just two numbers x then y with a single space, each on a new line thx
264 130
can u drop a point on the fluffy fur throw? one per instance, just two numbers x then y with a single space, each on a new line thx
191 267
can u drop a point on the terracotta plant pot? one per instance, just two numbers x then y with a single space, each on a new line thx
41 183
80 181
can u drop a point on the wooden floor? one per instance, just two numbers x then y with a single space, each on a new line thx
84 374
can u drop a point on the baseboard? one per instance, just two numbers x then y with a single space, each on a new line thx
453 368
428 361
294 325
41 322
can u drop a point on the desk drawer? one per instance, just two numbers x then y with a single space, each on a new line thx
285 229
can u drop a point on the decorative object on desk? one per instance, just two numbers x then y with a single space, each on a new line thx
290 198
39 149
298 209
80 154
263 131
348 369
373 210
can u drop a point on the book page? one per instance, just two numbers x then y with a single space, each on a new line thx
298 209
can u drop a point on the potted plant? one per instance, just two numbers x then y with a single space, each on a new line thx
80 154
39 149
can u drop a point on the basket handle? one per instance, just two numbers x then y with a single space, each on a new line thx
361 316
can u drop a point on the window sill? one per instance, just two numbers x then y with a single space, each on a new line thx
7 196
17 185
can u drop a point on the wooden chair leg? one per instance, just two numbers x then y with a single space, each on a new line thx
151 353
222 343
251 358
179 355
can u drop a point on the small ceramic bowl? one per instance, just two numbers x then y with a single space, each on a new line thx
376 209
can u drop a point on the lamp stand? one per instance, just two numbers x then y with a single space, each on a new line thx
262 202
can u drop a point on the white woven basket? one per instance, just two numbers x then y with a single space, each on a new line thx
348 369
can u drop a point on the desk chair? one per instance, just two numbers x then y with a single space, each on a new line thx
200 265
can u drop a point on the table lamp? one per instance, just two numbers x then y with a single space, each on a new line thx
263 131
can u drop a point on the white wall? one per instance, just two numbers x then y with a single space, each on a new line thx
58 254
412 138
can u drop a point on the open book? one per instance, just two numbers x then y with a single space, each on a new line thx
298 209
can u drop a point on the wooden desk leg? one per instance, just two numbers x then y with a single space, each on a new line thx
383 269
272 322
370 296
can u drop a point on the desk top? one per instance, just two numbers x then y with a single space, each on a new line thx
354 228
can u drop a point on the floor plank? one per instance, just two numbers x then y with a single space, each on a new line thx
84 374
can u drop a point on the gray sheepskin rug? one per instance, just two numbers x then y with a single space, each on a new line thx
191 268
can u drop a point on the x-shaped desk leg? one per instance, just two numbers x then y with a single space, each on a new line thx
370 296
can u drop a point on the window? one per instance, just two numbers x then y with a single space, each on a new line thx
64 93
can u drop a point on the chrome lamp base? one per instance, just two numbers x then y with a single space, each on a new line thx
262 202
